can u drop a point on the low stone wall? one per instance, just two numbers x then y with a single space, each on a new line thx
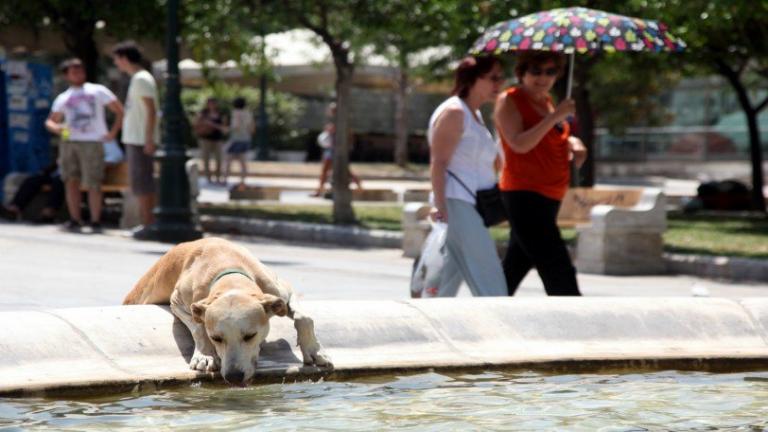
302 232
47 352
718 267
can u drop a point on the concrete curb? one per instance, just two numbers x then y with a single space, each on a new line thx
74 350
300 231
728 268
718 267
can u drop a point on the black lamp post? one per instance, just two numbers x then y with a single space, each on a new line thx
173 214
263 138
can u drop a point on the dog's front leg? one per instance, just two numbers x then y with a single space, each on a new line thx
204 358
311 349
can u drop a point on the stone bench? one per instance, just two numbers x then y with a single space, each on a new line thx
115 182
577 205
130 216
619 230
626 239
269 193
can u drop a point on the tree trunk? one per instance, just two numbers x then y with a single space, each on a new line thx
401 122
756 155
585 176
343 213
585 119
81 43
755 146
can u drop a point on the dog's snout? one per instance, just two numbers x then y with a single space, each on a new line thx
235 377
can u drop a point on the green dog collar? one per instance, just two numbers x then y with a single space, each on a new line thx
229 272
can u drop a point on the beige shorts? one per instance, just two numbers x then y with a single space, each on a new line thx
82 160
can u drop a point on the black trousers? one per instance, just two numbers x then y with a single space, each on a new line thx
535 241
32 185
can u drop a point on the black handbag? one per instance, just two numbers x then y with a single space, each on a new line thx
487 202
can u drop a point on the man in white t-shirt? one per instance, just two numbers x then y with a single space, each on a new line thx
141 128
77 115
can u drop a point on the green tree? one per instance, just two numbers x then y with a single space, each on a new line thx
284 110
337 23
729 38
79 20
334 21
401 29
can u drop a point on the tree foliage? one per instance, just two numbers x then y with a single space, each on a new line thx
283 109
79 21
729 38
399 31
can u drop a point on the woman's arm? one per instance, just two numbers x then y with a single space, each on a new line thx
509 123
578 152
445 138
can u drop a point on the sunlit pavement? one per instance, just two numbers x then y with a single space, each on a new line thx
42 267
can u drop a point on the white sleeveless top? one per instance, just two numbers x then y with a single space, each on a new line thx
243 119
473 159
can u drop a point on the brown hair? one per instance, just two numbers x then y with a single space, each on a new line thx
469 70
129 50
530 58
68 63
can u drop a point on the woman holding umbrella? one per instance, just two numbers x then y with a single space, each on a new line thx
463 154
538 150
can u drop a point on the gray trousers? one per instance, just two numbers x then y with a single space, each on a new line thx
471 254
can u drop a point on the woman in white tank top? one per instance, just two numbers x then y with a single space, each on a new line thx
461 143
241 129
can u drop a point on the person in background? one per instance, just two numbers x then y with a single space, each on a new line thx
325 141
141 129
77 116
463 153
241 129
538 150
50 176
30 187
210 128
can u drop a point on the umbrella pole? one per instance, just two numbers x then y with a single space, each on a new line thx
570 75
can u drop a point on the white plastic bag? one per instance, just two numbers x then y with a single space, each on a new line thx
325 140
113 154
428 267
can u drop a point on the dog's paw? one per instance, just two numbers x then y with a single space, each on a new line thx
203 362
315 355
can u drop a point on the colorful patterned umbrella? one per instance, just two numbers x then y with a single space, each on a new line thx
576 29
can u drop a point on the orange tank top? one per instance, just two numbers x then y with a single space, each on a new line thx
546 168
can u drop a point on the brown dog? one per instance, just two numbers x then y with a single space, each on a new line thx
225 296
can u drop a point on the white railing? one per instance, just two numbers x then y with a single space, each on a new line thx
690 143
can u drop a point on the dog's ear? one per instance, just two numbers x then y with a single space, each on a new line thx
274 305
198 311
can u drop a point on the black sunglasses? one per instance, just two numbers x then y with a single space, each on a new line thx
495 78
536 71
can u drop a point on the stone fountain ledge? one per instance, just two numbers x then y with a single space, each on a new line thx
127 347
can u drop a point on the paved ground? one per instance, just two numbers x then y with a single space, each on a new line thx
42 267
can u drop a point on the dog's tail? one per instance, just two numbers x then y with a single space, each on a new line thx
135 295
156 286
